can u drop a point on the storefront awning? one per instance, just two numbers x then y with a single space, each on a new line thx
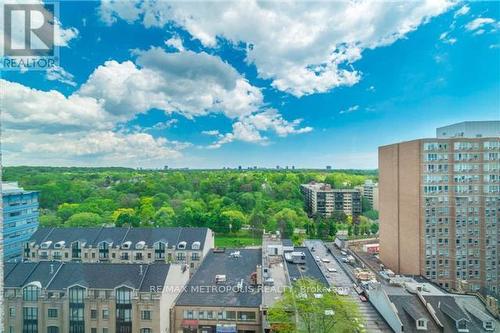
189 323
226 328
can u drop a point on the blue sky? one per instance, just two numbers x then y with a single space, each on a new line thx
266 84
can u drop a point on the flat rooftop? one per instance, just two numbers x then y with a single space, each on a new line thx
309 269
203 290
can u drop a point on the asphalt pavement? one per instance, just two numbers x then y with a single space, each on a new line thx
344 278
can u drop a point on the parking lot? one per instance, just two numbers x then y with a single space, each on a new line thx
343 279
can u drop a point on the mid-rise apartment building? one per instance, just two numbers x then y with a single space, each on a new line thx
370 192
57 297
20 218
440 211
223 295
120 245
322 199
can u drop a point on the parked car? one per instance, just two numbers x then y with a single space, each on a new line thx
343 253
363 298
269 281
325 260
317 258
331 270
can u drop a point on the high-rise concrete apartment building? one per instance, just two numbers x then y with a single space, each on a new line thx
440 211
20 218
323 200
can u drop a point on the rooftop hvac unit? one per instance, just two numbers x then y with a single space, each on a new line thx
219 278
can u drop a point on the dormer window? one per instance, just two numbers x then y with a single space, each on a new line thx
59 245
195 246
422 324
45 245
462 325
488 326
31 292
140 245
126 245
182 245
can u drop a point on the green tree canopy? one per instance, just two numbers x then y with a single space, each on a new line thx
309 307
84 219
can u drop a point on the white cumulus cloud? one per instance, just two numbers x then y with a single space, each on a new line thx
188 83
250 128
479 23
302 47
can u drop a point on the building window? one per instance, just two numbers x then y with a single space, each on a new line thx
93 314
105 330
76 310
27 250
93 330
12 312
195 256
189 314
52 313
103 250
30 320
246 316
230 315
146 330
31 293
421 324
76 250
105 314
145 315
52 329
123 310
181 256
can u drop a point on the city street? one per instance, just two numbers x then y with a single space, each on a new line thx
342 279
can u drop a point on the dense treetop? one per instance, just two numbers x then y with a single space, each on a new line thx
224 200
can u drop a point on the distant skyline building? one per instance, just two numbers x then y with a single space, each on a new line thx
323 200
440 210
20 218
470 129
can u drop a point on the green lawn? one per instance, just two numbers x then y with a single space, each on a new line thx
236 241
